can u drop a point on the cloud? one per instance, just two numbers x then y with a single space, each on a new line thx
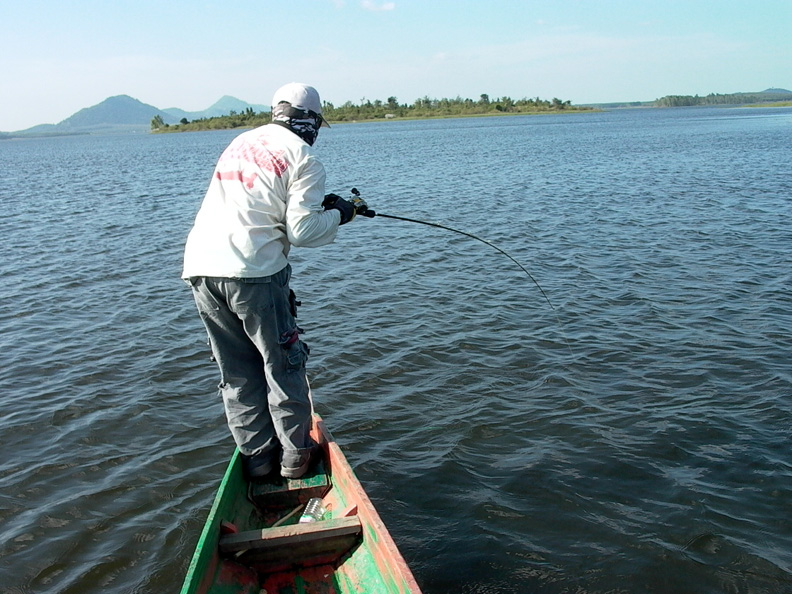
373 6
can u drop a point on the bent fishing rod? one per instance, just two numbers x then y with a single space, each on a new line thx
362 209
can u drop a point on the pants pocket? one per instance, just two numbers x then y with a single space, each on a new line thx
296 350
297 356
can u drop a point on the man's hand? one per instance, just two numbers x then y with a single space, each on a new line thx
345 207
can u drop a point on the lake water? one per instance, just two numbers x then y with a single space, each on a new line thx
633 437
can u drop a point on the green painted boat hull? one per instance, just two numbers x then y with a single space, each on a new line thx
252 542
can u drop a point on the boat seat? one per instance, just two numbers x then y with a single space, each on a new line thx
303 545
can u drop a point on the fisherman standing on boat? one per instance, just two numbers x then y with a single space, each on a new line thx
266 195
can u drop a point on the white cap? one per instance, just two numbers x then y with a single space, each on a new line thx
300 96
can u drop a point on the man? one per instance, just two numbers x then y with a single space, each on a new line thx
266 195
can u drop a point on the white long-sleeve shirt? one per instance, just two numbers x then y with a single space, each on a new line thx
265 196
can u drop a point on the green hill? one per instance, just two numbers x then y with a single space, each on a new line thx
121 110
123 113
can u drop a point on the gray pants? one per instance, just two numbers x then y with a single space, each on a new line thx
254 338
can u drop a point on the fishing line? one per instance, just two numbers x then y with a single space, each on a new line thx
362 209
371 214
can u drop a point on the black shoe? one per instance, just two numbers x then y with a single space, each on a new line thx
261 465
295 464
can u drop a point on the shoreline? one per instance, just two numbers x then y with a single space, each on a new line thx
177 127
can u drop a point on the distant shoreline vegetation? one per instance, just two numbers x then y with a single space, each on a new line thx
385 110
123 114
774 97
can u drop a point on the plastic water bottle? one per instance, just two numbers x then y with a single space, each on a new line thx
314 511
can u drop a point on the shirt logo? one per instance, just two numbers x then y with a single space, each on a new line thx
259 154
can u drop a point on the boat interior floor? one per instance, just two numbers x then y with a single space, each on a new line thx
279 543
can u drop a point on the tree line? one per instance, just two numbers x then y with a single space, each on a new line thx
245 119
427 107
424 107
721 99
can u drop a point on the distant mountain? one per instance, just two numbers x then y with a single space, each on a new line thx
223 107
121 110
123 113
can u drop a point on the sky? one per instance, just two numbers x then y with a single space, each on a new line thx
59 56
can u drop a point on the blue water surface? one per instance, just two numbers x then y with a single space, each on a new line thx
629 433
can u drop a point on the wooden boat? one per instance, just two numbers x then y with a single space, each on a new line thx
253 543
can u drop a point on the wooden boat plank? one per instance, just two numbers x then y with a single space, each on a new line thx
285 536
286 547
207 572
389 561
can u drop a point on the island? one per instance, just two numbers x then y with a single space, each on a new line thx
378 110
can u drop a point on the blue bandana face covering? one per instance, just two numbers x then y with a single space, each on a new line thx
304 123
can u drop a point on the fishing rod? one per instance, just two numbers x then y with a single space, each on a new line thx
362 209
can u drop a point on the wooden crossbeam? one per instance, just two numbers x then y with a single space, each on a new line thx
296 545
282 536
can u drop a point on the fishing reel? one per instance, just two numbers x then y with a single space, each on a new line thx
360 205
348 207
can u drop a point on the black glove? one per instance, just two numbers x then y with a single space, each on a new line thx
345 207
